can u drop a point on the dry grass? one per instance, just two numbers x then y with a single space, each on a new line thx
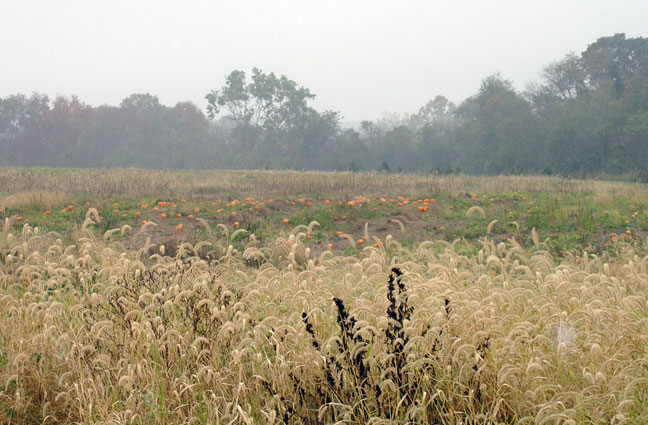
92 333
132 183
33 198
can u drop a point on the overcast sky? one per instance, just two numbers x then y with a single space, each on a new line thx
362 58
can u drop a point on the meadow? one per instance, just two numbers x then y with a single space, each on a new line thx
131 296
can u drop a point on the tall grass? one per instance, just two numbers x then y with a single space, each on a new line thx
134 183
93 333
32 198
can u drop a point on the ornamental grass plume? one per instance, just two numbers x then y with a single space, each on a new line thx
236 330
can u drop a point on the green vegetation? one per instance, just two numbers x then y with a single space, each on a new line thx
584 217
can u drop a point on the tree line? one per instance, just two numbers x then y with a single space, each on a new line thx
587 114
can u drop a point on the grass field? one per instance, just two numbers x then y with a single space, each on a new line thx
130 296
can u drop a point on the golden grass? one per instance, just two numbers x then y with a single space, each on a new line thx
93 333
32 198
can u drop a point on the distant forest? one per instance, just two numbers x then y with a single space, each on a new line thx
587 114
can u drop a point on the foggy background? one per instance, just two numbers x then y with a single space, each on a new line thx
417 86
362 58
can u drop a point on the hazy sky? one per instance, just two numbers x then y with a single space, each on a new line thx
362 58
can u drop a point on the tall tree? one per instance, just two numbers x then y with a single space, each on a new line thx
21 127
273 120
437 110
497 123
615 60
266 101
562 81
